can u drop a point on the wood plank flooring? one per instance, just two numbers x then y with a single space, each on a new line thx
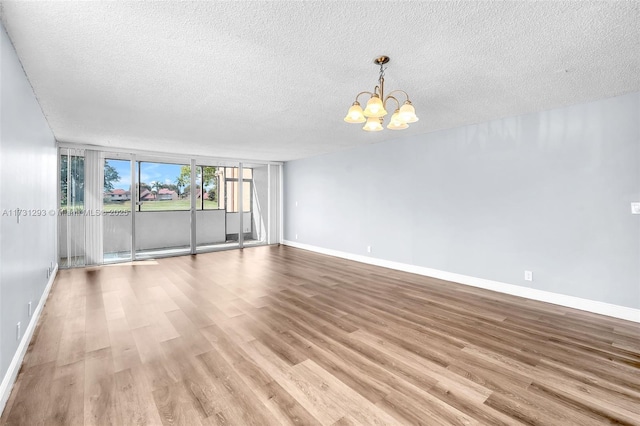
281 336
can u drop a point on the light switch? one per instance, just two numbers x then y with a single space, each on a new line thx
635 208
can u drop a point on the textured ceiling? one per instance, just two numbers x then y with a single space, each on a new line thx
273 80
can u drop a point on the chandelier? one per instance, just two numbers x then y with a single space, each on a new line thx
375 110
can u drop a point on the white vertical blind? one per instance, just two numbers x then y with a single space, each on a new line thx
193 200
71 229
275 216
94 184
269 204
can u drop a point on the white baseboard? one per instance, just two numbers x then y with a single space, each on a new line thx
616 311
12 372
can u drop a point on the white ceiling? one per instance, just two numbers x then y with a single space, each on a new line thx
273 80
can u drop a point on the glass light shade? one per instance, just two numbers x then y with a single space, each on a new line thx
396 122
355 114
408 113
375 108
372 125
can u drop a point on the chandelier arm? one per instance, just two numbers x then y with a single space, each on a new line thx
362 93
389 96
400 91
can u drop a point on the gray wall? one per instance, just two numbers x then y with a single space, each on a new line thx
548 192
27 181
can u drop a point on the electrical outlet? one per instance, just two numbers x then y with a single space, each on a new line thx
296 236
29 308
528 276
18 332
368 249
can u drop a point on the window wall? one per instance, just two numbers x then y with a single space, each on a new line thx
147 206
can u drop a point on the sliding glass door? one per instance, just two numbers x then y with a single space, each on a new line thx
237 192
163 209
117 208
71 225
259 195
230 212
210 202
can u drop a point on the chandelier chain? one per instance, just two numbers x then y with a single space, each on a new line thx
382 70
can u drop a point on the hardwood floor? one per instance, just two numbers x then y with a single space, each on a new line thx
277 336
